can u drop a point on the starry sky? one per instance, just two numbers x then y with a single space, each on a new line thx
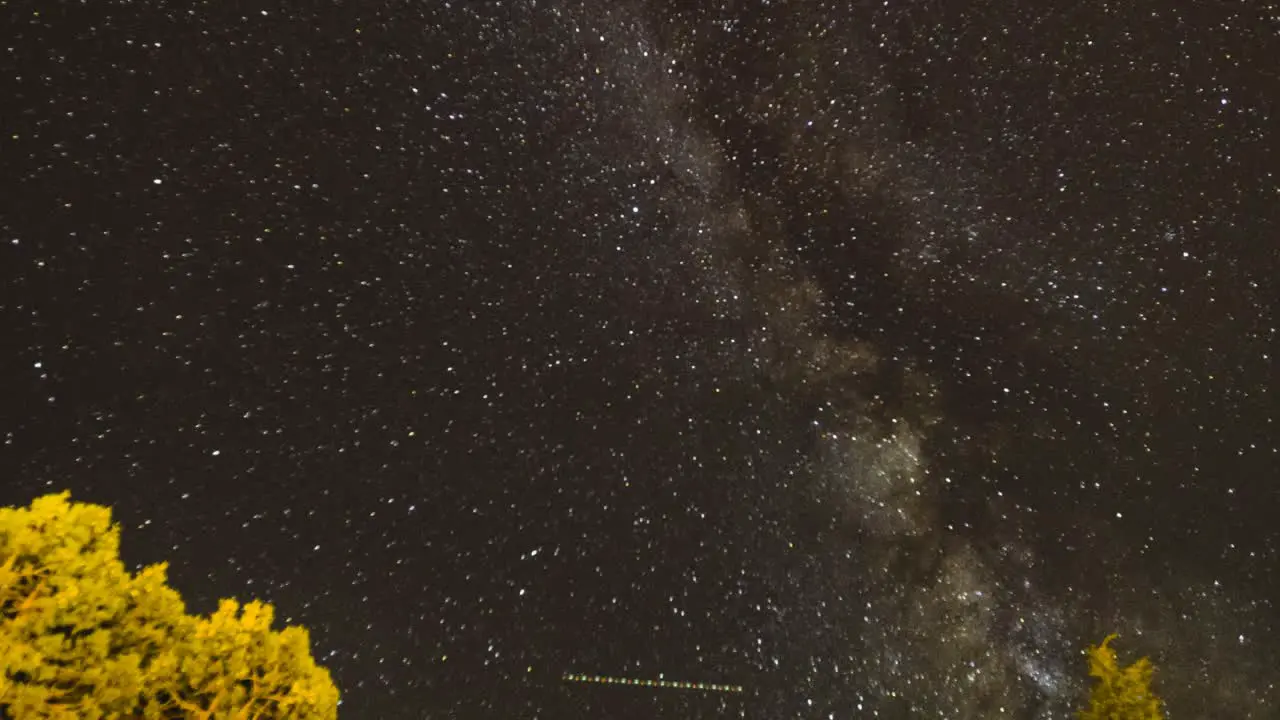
875 357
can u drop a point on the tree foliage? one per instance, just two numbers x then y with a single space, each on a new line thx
1120 693
81 637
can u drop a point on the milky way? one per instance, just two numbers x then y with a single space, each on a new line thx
815 218
873 359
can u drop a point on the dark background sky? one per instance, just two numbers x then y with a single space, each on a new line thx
874 357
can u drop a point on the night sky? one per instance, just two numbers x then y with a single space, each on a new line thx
875 357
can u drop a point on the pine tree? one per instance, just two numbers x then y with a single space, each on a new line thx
1120 693
81 637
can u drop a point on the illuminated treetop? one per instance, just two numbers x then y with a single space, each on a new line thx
81 637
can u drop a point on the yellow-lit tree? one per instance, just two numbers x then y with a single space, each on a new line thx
1120 693
82 638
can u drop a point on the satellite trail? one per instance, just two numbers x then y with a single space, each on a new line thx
605 680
